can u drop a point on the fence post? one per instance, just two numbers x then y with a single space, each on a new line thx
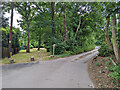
53 49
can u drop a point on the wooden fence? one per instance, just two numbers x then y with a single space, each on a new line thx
5 51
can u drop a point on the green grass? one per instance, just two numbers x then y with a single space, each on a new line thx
23 57
62 55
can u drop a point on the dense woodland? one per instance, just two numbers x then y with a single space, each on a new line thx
74 27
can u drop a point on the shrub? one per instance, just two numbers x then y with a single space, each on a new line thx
70 44
31 46
104 51
59 48
116 75
115 72
50 41
79 50
89 47
35 44
48 48
42 45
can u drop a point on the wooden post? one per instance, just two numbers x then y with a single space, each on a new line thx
11 61
32 59
53 49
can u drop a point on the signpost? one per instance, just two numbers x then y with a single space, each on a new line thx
53 49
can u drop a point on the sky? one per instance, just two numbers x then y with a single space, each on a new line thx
16 16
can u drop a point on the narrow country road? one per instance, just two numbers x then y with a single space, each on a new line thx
69 72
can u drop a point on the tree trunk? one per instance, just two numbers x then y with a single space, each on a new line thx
119 34
10 37
28 49
107 34
39 41
115 47
65 31
78 25
53 17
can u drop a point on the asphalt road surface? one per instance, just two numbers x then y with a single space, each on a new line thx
69 72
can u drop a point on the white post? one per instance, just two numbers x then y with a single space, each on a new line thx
53 49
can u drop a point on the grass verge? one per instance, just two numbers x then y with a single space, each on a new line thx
23 57
42 54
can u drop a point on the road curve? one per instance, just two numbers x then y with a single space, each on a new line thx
69 72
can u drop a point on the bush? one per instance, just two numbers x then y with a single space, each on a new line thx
78 50
115 72
48 48
104 51
59 48
89 47
42 45
35 45
70 44
73 45
50 41
116 75
31 46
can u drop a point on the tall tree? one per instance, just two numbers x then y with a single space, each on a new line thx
53 17
42 20
107 34
115 47
27 12
65 30
78 25
4 22
10 36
